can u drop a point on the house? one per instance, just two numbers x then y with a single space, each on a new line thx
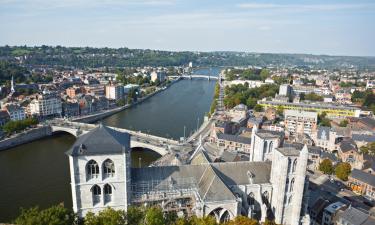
15 111
348 152
353 216
4 117
362 183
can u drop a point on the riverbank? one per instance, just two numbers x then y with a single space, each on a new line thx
43 130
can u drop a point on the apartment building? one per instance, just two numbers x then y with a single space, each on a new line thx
300 122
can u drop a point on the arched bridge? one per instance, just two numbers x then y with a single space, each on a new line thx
208 77
160 145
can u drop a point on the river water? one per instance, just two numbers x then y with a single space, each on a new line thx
37 173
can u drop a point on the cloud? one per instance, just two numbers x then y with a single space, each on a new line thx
306 7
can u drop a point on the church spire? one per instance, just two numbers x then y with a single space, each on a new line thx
12 90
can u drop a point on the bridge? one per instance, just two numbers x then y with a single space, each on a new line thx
160 145
186 76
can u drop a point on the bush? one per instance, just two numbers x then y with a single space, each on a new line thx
17 126
56 215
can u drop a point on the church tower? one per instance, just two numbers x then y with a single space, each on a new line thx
100 171
288 175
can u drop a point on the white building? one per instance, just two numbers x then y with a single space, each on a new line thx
46 104
157 76
101 176
300 122
15 111
114 92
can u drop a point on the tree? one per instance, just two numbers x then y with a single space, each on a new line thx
242 220
154 216
258 108
368 149
134 215
251 102
344 123
264 74
208 220
107 216
342 171
280 110
326 166
56 215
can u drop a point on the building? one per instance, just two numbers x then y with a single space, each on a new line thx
4 117
114 92
330 212
157 75
300 122
285 90
129 87
70 109
45 105
270 113
362 183
264 143
332 110
353 216
348 152
73 91
15 111
101 176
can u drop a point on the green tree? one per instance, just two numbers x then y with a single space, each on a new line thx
368 149
55 215
208 220
342 171
154 216
280 110
251 102
107 216
264 74
258 108
343 123
242 220
326 166
135 215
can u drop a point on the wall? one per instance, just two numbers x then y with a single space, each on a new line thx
26 137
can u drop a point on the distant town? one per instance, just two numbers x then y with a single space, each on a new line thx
280 144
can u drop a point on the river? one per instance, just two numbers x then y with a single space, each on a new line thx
37 173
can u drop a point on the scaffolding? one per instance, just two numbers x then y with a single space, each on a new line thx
173 194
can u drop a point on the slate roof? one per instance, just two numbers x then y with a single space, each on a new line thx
364 177
369 122
212 180
323 133
289 151
234 138
363 137
100 141
348 145
354 216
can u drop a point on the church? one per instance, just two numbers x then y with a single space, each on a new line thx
269 186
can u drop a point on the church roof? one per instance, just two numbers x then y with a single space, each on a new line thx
99 141
211 180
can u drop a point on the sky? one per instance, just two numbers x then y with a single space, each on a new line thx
333 27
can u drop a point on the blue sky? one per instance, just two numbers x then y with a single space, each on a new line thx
318 27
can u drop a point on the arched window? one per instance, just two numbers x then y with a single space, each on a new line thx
250 199
96 193
289 164
290 199
265 147
107 193
265 197
92 169
291 185
108 168
287 185
270 146
294 166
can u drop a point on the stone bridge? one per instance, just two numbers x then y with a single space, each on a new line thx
160 145
208 77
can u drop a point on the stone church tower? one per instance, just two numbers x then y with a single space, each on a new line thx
288 181
100 171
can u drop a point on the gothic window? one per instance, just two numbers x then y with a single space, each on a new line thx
250 199
287 185
289 164
92 169
290 199
265 147
107 193
291 185
265 197
96 193
270 146
109 168
294 166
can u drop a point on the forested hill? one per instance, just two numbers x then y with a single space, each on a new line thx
123 57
